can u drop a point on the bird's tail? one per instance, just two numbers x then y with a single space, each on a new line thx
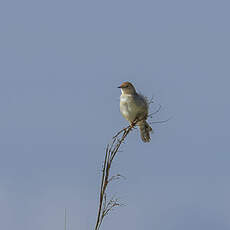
145 130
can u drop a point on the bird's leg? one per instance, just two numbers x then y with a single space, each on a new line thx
133 123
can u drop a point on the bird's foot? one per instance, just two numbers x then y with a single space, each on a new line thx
133 123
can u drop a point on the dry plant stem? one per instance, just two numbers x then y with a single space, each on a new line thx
111 150
105 206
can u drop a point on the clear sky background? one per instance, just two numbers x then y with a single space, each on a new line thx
61 63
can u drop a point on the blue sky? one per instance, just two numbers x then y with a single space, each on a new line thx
61 63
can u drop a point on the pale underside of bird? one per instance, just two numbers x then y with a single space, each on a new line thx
134 107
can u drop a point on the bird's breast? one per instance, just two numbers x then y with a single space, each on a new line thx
128 107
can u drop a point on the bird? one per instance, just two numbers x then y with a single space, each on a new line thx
134 108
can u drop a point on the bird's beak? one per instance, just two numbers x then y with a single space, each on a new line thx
119 87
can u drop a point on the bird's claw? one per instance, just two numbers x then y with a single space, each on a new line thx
133 123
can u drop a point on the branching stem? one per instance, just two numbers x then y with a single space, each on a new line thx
105 206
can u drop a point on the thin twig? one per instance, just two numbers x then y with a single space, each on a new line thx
160 122
105 204
157 111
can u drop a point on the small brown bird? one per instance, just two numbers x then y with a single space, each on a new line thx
134 106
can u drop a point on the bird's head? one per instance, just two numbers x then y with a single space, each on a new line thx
127 88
